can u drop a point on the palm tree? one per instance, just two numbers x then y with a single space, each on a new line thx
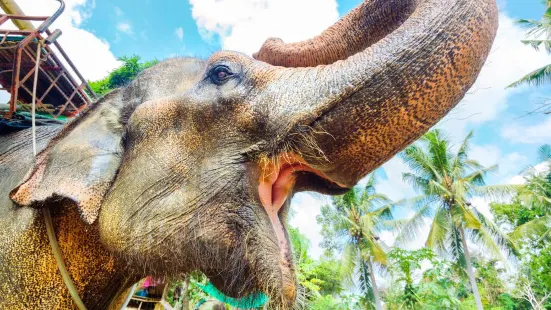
353 221
446 181
536 195
537 30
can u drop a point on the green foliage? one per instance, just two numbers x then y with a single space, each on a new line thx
529 217
351 223
539 34
305 265
403 265
447 181
319 279
438 287
324 275
121 76
530 211
326 302
535 272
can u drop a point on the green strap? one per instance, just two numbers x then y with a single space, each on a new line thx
255 300
59 260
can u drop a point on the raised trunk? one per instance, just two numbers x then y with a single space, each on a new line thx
378 304
364 109
362 27
470 272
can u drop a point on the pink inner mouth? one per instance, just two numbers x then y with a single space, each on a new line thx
275 184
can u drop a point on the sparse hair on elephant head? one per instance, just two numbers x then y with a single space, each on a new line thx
192 166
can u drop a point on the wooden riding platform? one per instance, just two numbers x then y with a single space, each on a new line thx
60 84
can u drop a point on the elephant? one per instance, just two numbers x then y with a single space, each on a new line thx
192 166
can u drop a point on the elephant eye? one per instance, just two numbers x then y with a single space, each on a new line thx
220 74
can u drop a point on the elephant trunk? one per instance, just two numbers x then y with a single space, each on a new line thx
364 109
362 27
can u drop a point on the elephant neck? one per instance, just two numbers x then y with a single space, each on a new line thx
99 277
27 260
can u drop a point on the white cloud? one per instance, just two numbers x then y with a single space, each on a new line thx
306 207
512 163
243 25
539 133
542 167
483 206
393 186
486 155
508 61
125 27
90 54
179 32
508 164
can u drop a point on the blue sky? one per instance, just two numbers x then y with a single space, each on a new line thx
97 32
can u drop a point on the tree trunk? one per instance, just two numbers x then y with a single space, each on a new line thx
184 299
378 305
472 279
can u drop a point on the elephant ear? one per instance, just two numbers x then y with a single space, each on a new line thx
79 164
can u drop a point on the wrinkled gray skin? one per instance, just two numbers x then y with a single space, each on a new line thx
185 169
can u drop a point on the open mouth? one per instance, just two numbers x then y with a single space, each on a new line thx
279 178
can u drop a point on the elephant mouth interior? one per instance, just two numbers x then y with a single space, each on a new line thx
277 182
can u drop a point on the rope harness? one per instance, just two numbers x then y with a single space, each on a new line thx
47 217
46 211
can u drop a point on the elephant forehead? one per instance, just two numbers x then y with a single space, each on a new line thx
230 56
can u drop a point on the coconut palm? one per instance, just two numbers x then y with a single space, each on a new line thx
540 32
536 195
352 222
447 181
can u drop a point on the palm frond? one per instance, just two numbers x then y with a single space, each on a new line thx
477 177
439 230
494 238
473 164
384 213
438 147
467 216
461 156
348 260
535 44
437 189
419 183
536 28
365 282
369 188
456 248
534 229
409 229
419 162
496 192
537 77
371 249
544 152
419 202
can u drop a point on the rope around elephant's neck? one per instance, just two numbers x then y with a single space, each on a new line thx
47 217
255 300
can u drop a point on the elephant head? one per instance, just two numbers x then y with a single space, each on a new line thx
194 168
